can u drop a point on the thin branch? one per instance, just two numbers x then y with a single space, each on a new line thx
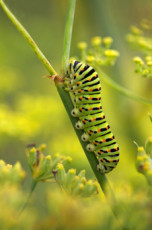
123 90
33 185
68 35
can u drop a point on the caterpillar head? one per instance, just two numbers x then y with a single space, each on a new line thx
90 147
75 112
85 137
79 125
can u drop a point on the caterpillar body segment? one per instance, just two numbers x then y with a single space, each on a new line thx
83 84
85 99
95 89
107 149
86 109
98 143
90 120
99 130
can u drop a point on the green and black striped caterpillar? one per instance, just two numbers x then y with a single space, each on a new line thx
83 83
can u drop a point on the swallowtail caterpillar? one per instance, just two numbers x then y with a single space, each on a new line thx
83 83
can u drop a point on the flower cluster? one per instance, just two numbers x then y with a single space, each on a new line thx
144 68
139 39
11 174
44 168
144 160
100 52
76 185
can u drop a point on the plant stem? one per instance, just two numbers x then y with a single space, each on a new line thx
33 185
123 90
68 35
28 38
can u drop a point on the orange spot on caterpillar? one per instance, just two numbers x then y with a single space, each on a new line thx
81 98
99 107
89 79
102 118
104 140
116 149
90 90
90 98
76 75
79 83
117 160
111 138
84 121
100 152
95 143
106 127
109 150
89 132
93 119
98 130
79 90
98 98
81 109
82 69
90 108
102 160
111 161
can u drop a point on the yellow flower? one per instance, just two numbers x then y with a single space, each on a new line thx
90 59
111 53
138 60
82 45
135 30
107 41
96 41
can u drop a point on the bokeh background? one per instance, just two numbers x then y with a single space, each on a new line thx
32 112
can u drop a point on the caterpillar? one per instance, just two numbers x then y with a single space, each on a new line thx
83 83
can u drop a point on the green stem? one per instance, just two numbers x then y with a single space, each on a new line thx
33 185
68 35
123 90
28 38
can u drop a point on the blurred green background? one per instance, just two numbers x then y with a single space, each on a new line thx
30 108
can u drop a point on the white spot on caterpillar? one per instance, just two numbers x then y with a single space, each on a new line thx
90 147
79 125
85 137
75 112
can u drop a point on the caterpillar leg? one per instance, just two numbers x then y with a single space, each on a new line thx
103 168
55 78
